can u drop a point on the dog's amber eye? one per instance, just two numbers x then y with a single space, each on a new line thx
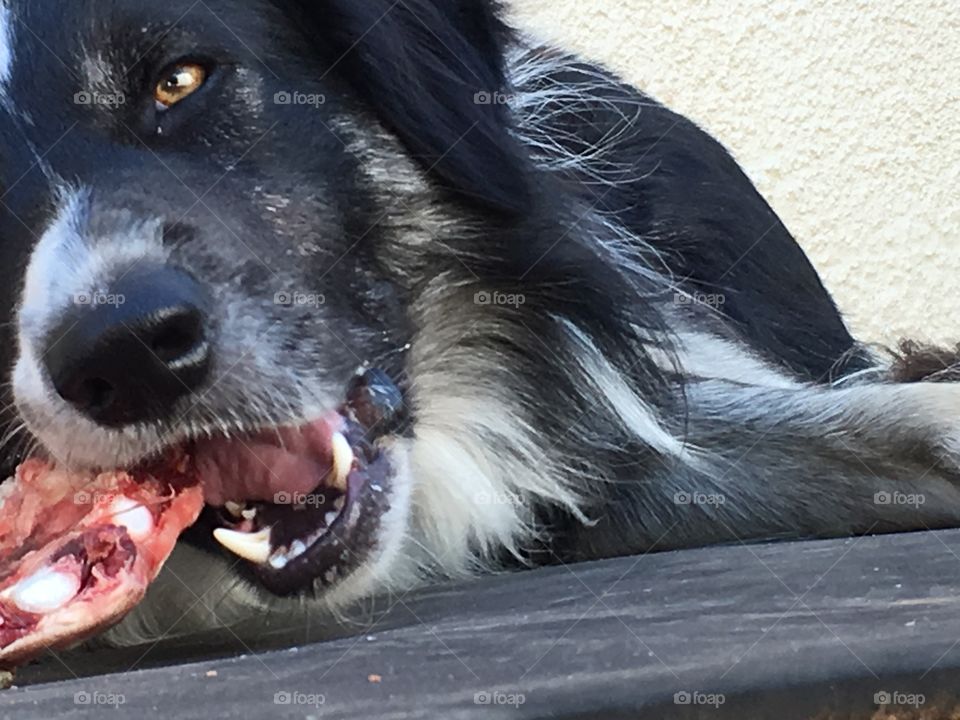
182 81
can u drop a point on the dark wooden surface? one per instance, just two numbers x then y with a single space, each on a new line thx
781 631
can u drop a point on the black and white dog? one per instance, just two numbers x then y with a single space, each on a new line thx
580 330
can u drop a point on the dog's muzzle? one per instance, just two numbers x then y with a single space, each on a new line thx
126 355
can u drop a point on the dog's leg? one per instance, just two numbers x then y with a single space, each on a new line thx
801 461
826 461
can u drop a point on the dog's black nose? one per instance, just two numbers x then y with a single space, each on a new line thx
126 356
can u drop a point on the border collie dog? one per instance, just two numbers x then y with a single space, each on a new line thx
564 321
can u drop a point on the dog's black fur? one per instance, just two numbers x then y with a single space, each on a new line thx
452 162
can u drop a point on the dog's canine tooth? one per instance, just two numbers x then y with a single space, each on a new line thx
254 547
342 461
234 508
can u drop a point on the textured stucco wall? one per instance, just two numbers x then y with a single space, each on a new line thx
846 115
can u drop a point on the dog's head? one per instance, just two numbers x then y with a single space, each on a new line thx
212 214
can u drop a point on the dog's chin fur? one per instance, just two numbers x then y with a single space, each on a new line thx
607 341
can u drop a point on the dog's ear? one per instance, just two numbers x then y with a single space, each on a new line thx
433 72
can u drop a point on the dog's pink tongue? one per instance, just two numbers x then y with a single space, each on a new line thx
290 462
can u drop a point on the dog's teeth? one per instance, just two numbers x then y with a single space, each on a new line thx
342 462
339 503
254 547
297 548
330 518
280 559
241 511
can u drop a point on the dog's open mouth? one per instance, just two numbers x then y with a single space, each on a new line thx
302 505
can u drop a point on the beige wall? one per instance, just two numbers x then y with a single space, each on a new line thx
846 114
